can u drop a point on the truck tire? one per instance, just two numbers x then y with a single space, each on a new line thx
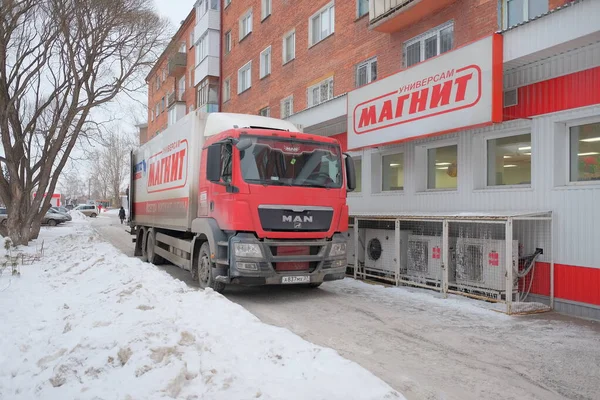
206 269
144 235
153 258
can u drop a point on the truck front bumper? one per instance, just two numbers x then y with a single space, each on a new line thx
254 262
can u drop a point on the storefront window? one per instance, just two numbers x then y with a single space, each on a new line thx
585 152
358 171
392 172
509 160
442 169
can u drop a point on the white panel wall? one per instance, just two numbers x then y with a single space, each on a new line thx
576 208
210 20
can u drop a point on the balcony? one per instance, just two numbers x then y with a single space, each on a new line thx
211 20
209 66
177 64
392 15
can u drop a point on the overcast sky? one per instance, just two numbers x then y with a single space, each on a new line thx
175 10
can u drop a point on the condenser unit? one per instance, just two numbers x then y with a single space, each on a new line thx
350 250
425 257
380 250
480 263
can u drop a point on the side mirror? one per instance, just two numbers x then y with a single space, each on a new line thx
350 173
213 163
244 144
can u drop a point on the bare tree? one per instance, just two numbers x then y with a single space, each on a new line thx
59 61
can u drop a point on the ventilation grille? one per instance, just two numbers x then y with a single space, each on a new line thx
511 98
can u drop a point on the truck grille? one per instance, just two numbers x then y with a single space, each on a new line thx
283 219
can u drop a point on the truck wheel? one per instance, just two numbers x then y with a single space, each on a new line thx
150 243
206 269
144 245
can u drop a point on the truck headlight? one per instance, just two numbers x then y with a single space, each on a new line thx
248 250
337 249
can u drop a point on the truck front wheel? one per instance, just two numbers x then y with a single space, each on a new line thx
206 276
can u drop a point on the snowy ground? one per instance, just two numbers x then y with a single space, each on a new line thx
88 322
424 346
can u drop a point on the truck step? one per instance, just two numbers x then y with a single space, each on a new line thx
223 244
222 261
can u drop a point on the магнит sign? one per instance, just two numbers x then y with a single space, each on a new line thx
459 89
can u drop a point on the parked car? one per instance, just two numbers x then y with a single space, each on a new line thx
51 218
60 210
89 210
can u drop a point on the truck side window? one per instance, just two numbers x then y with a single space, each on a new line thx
226 162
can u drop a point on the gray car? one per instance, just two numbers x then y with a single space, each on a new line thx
51 218
61 210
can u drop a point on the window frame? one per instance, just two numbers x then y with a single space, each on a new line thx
265 72
247 66
391 152
247 15
422 165
567 140
228 42
263 9
358 15
284 47
327 7
368 63
436 31
268 109
226 81
330 85
525 15
357 158
227 3
499 135
282 102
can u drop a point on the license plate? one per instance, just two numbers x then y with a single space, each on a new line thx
296 279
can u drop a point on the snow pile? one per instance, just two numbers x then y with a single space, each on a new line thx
114 211
77 215
91 323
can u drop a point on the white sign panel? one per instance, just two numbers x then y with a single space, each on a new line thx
459 89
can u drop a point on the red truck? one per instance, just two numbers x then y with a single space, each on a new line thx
242 199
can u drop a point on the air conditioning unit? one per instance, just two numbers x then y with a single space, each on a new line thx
480 263
425 257
380 250
350 250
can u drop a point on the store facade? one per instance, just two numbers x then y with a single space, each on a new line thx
509 123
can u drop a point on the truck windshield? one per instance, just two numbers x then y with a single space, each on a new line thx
288 162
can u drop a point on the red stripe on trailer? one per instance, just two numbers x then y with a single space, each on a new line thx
581 284
171 207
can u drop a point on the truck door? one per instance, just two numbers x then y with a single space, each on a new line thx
221 199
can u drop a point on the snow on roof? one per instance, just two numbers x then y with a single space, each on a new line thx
465 215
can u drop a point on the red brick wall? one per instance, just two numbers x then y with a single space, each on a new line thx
154 96
337 55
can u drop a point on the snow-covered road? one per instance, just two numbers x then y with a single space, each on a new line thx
425 347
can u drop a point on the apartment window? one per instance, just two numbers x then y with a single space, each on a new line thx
181 88
509 160
517 11
164 75
430 44
226 90
227 2
182 47
245 77
227 41
289 47
191 39
162 104
207 93
246 24
584 150
392 167
157 112
442 167
202 49
366 72
287 107
321 24
265 62
362 8
358 171
214 4
151 115
265 9
265 112
157 82
321 92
